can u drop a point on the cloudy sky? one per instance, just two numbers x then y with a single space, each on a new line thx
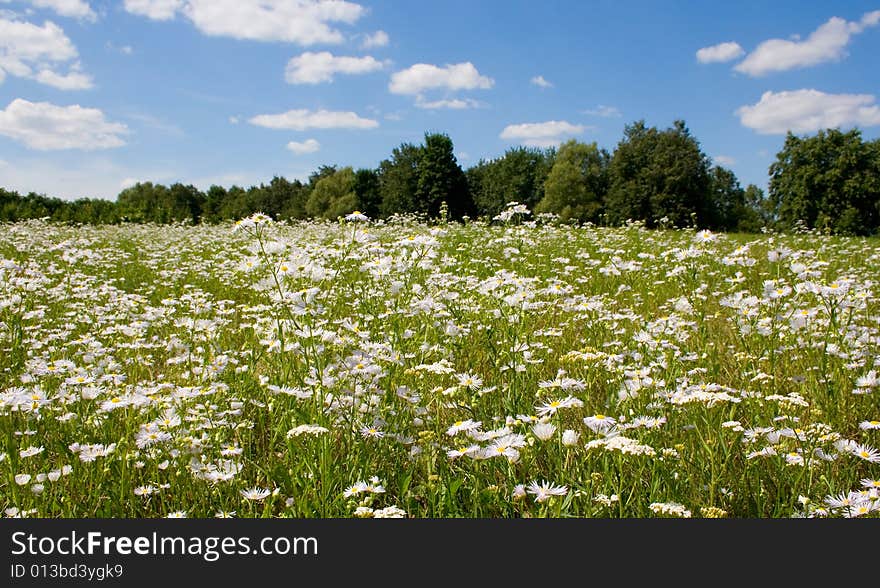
98 94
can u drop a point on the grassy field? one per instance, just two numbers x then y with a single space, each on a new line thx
399 369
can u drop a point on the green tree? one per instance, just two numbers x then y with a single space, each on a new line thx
183 203
518 175
726 200
657 174
333 195
577 183
144 203
214 200
441 179
368 190
829 181
399 180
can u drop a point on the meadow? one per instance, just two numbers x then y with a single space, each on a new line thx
517 368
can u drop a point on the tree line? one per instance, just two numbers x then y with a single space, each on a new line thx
661 177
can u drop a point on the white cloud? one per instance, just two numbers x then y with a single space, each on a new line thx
724 160
315 68
424 76
35 52
540 81
154 9
71 8
301 148
544 134
452 104
603 111
377 39
805 111
827 43
720 52
297 21
73 80
44 126
301 120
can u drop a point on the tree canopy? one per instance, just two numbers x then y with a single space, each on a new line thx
829 181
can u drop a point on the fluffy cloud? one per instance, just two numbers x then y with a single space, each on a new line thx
603 111
720 52
297 21
315 68
827 43
805 111
544 134
424 76
154 9
73 80
35 52
303 147
453 104
301 120
540 81
44 126
377 39
71 8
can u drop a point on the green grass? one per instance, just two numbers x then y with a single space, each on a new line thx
197 351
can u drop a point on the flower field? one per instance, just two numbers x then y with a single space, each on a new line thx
400 369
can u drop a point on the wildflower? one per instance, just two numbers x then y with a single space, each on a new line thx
670 509
599 422
31 451
606 500
519 492
869 454
712 512
373 432
356 216
570 437
177 514
22 479
869 380
545 490
255 493
306 430
469 381
144 490
470 450
550 408
869 425
363 512
466 425
505 446
389 512
224 514
544 431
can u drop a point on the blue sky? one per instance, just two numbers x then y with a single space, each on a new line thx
98 94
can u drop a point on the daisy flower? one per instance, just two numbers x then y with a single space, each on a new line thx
467 425
255 493
545 490
544 431
599 423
